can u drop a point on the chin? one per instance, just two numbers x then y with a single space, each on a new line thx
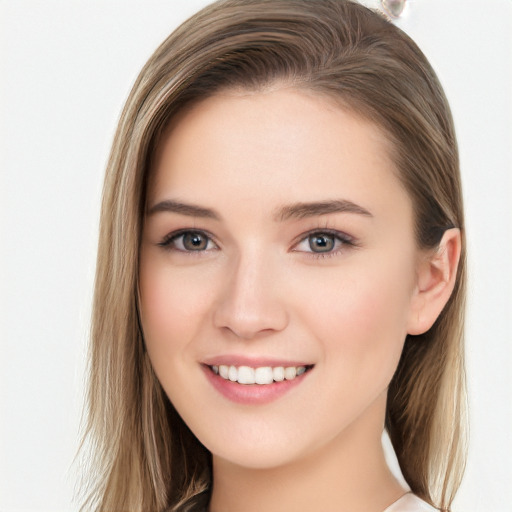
257 457
265 446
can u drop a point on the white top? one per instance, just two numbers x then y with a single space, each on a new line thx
410 503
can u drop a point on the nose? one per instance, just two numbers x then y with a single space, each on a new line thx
251 302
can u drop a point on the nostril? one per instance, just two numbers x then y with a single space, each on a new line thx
248 323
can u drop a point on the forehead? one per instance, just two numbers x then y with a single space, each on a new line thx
258 145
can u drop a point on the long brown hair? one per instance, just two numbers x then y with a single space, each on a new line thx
146 459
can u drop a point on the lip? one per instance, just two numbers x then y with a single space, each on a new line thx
252 394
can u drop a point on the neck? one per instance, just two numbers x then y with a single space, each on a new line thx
348 473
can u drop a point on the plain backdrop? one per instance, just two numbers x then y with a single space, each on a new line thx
66 68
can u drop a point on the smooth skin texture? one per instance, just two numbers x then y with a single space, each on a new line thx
250 280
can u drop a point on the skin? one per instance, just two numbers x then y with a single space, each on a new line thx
258 289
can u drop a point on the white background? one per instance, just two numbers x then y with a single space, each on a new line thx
66 68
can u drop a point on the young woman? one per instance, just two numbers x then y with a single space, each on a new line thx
280 272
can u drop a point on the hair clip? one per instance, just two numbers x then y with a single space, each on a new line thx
393 8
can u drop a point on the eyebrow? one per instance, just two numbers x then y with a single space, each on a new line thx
190 210
304 210
292 211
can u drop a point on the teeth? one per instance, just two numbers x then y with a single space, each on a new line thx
246 375
233 373
278 374
290 373
263 375
224 371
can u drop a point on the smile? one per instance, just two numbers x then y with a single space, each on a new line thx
254 382
263 375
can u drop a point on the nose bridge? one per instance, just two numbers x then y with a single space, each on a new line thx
250 302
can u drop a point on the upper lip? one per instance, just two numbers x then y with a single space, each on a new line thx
252 362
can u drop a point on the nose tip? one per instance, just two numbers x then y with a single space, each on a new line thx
250 304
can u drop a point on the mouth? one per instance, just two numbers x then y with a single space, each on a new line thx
254 381
262 375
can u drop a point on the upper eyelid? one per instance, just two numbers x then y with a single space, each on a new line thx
341 235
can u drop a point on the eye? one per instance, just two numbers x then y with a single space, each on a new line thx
188 241
321 242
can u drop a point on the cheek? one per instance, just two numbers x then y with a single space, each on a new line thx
171 302
360 317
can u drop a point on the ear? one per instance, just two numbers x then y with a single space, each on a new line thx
435 281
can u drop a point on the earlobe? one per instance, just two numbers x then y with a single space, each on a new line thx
435 282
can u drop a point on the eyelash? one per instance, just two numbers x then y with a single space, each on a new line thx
344 241
167 242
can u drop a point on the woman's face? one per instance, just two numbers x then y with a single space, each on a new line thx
277 239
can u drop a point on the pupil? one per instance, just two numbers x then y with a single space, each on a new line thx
194 241
321 243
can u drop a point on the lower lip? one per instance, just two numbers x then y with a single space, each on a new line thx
252 394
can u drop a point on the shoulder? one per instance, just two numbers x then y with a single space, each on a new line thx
410 503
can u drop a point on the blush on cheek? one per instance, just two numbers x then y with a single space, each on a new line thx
368 317
172 306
